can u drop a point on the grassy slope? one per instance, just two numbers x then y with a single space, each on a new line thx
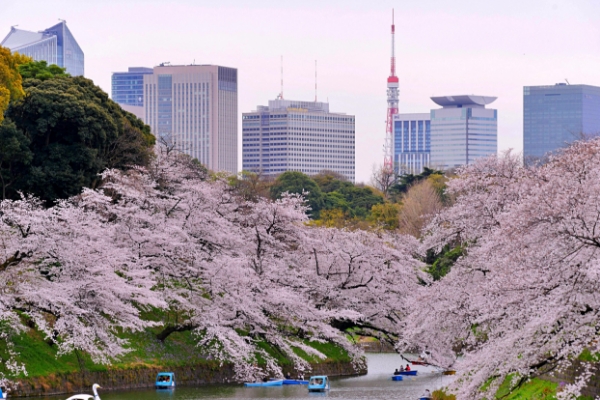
178 349
535 389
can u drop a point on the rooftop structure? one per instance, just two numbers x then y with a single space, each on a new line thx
55 45
463 101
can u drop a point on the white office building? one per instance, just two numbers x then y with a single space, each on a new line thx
300 136
462 130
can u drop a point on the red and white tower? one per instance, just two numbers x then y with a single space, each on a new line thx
392 99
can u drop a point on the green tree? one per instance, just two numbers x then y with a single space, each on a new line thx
75 132
15 157
250 185
41 70
404 182
386 214
442 263
11 87
297 182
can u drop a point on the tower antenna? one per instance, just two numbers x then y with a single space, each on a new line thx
315 81
392 109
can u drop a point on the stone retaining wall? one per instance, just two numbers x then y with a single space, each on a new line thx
144 377
569 375
377 347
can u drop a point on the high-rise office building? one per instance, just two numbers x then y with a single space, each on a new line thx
412 143
300 136
554 116
462 131
55 45
128 87
195 108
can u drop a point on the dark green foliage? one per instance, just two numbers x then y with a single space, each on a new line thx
41 70
75 132
361 199
404 182
328 191
297 182
15 157
340 194
443 262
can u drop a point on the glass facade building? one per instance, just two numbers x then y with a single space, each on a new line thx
55 45
194 107
462 131
554 116
300 136
128 87
412 143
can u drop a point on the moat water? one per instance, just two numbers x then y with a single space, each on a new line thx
376 385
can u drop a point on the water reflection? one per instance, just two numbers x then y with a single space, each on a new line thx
376 385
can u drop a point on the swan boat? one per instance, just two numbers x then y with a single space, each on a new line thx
95 388
319 383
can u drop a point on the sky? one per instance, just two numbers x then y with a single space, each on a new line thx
490 48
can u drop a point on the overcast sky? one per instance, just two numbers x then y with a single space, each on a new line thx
491 48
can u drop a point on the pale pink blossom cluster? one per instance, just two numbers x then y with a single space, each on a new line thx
178 239
525 297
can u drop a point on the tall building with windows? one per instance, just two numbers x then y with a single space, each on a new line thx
462 130
412 143
556 115
128 87
55 45
300 136
195 108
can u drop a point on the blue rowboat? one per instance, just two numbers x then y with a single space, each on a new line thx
397 378
165 380
319 383
413 373
278 382
294 382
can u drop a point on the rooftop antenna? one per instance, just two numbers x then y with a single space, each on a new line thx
315 81
281 92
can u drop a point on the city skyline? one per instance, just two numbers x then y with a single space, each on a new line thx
440 49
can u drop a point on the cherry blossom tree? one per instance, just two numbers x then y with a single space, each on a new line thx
523 300
239 273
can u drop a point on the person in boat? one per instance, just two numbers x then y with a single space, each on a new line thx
427 394
288 376
402 368
396 372
407 367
